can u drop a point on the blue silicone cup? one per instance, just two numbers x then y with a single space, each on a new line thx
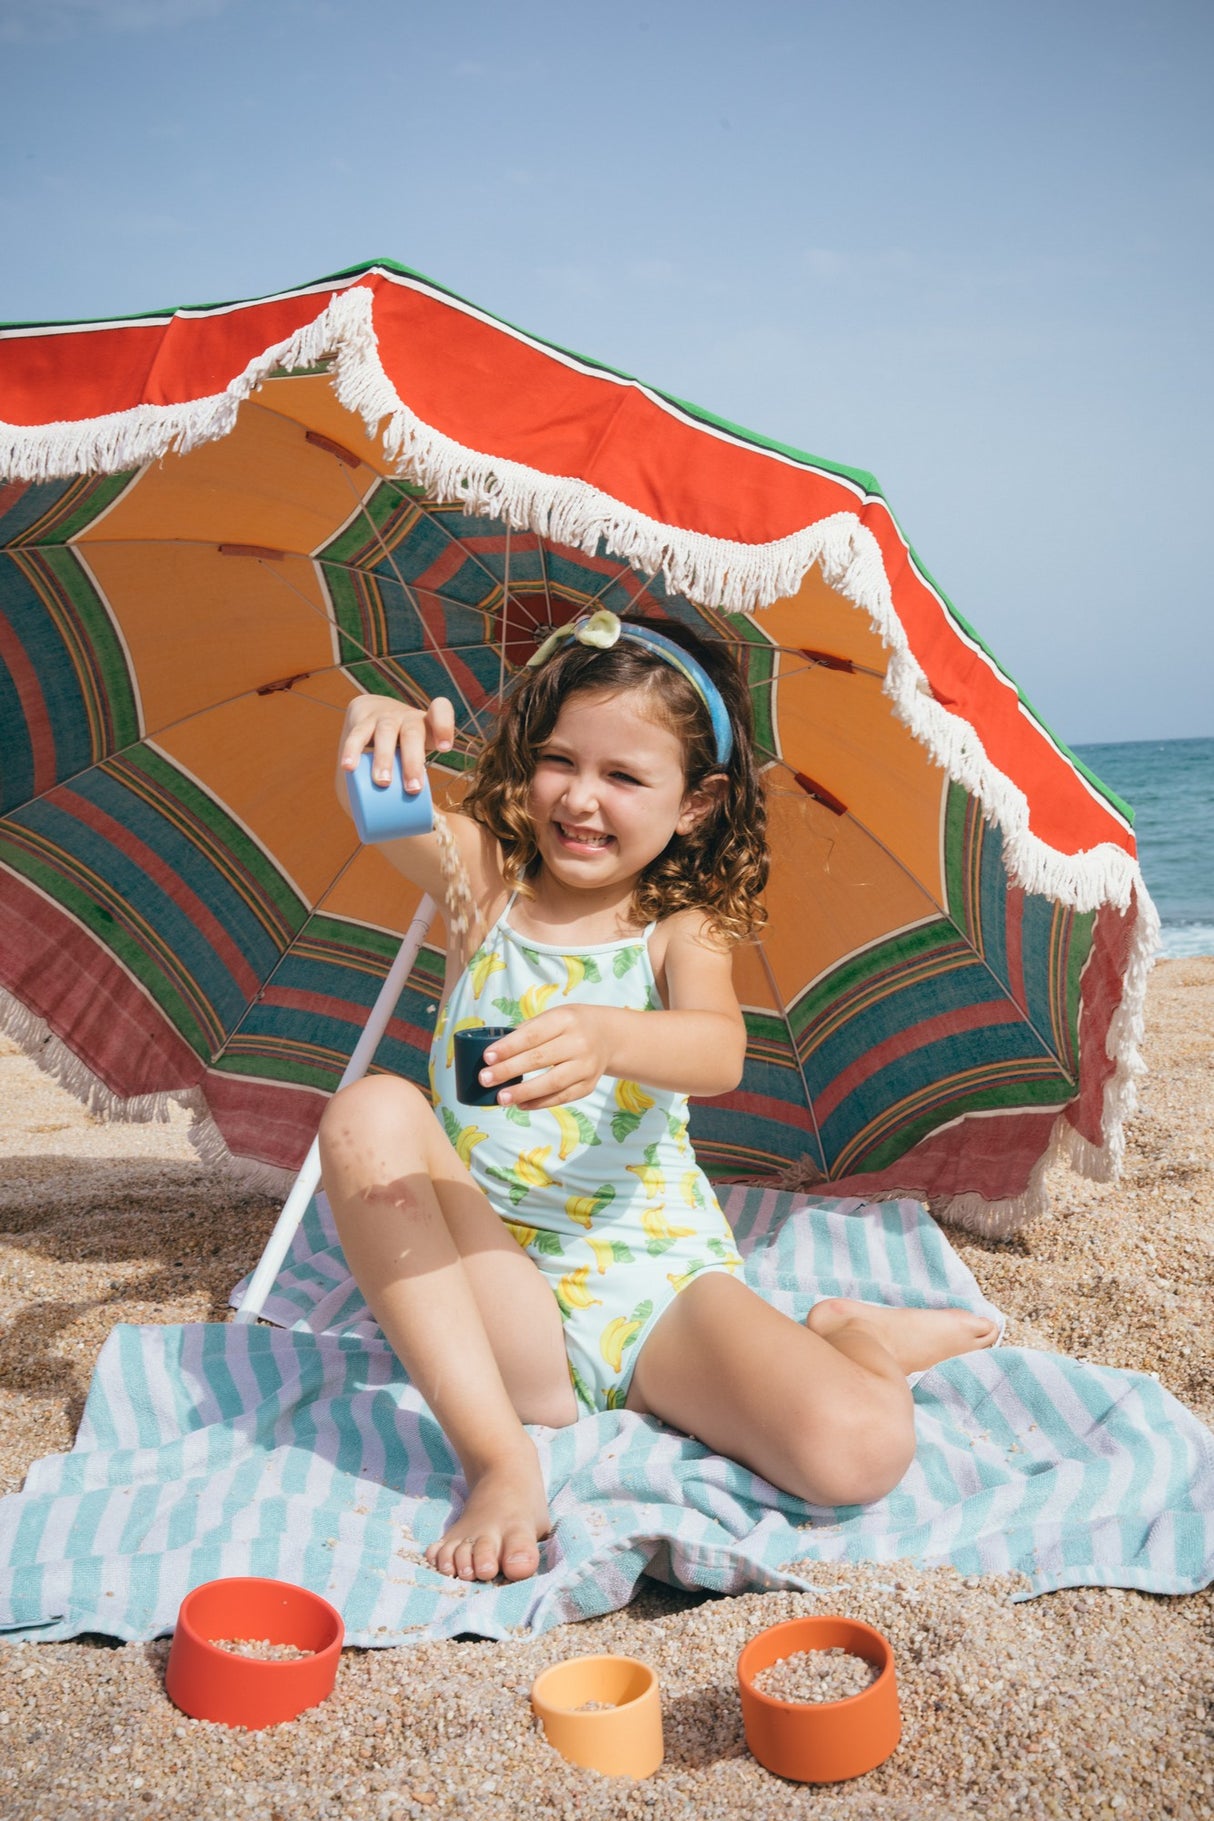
385 812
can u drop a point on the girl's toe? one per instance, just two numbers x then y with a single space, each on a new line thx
520 1555
464 1565
485 1558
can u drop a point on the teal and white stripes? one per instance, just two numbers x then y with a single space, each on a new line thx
211 1449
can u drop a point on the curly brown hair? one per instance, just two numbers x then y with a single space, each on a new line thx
720 866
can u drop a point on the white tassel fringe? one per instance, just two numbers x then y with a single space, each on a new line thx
35 1039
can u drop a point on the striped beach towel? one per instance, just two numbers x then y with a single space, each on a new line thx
300 1451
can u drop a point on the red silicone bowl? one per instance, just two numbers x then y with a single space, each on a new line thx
820 1741
213 1684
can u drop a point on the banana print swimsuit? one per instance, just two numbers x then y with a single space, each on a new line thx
604 1194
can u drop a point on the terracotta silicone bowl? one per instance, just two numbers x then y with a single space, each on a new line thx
622 1737
820 1741
213 1684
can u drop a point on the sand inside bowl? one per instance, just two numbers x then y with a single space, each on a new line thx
816 1675
262 1649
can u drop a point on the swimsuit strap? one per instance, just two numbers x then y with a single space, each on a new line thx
624 941
498 921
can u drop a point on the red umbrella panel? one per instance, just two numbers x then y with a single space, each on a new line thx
218 524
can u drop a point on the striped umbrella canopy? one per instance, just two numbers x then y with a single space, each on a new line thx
219 523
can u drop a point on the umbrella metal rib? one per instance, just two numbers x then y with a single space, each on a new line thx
409 593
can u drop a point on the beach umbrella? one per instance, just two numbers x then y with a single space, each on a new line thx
220 522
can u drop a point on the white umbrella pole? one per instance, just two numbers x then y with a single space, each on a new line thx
304 1186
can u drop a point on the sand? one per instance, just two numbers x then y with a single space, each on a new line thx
1086 1703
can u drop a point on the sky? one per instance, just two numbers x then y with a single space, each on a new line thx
965 246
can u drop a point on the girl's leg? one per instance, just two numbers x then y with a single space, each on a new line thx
462 1306
821 1410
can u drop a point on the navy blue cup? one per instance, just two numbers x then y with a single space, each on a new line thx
470 1047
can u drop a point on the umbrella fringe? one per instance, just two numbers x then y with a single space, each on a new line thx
247 1173
711 571
853 566
35 1038
134 438
1067 1147
970 1211
1084 881
997 1219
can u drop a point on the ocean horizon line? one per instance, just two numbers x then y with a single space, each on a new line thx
1180 739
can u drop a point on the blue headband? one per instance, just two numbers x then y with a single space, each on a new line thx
603 629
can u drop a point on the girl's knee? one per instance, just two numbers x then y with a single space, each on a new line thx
374 1100
854 1458
379 1116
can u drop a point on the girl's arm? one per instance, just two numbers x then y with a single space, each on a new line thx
696 1047
382 723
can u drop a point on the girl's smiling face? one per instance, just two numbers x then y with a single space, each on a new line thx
609 789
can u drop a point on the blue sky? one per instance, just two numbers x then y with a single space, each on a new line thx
965 246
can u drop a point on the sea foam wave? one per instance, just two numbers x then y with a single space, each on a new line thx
1179 939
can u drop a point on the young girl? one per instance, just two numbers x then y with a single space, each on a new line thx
560 1251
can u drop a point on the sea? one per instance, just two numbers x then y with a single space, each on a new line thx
1169 784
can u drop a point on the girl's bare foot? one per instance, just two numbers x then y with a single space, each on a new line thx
917 1338
498 1531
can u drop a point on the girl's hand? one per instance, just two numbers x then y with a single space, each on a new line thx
570 1045
383 724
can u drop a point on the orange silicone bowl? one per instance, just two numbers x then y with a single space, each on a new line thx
213 1684
623 1738
820 1741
